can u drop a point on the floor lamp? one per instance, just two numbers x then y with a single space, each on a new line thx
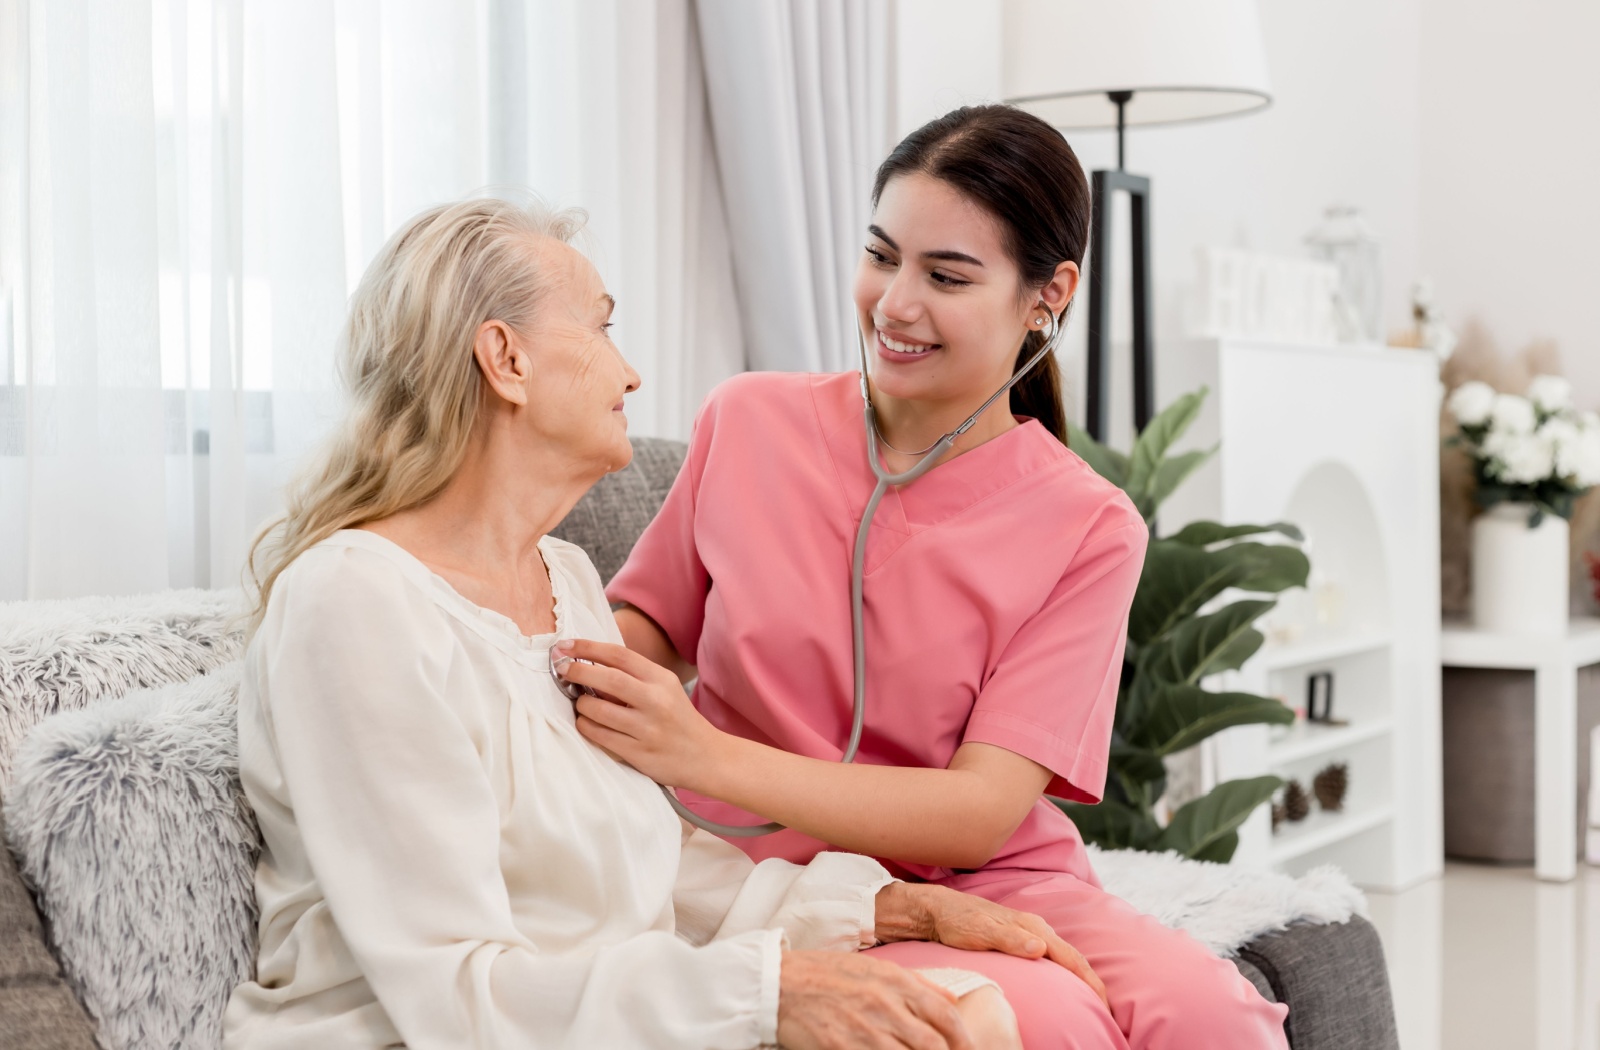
1115 63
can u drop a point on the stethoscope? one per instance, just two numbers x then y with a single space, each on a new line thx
930 457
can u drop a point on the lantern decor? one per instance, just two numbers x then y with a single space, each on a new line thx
1344 239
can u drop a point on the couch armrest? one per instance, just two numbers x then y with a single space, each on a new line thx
38 1010
1257 978
1335 982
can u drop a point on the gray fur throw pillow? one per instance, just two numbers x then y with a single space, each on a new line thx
128 821
67 655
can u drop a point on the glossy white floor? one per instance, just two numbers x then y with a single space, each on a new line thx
1490 957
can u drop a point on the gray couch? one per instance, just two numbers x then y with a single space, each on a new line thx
1332 977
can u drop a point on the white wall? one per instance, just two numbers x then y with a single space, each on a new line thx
1467 130
1510 150
947 54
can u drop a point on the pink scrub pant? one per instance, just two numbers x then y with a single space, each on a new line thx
1167 990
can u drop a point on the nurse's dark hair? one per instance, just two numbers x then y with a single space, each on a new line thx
1021 171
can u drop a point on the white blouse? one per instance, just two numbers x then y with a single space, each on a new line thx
448 863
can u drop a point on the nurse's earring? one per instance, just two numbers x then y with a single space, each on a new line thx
1047 318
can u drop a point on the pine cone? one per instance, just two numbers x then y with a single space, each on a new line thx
1296 803
1330 786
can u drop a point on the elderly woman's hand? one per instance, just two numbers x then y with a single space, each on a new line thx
920 912
840 1001
641 715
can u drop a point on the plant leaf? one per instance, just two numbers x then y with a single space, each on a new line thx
1275 567
1170 473
1220 850
1151 446
1204 645
1138 761
1232 656
1104 460
1112 825
1140 773
1180 716
1199 827
1179 579
1175 582
1205 533
1131 701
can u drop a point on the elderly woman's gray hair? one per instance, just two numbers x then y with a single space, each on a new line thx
406 359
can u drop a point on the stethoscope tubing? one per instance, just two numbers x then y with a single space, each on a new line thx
858 563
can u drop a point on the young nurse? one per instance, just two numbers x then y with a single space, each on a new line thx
997 590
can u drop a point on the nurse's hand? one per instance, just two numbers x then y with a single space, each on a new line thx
642 714
920 912
844 1001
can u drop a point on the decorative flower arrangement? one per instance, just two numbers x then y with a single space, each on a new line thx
1535 449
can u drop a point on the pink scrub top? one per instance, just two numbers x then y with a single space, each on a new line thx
996 600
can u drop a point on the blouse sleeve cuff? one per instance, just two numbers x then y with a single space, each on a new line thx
833 905
771 974
869 911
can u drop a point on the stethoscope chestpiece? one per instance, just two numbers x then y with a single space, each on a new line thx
571 690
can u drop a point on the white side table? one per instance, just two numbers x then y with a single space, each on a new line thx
1554 661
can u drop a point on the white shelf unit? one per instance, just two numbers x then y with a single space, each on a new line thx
1343 442
1308 740
1321 830
1554 661
1363 674
1275 657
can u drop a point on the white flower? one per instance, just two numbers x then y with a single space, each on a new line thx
1519 459
1550 393
1471 402
1585 458
1564 437
1511 415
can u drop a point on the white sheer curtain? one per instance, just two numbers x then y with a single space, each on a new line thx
189 190
801 103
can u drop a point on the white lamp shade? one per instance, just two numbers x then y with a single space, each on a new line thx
1182 59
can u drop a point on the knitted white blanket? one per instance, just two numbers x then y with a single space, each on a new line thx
1222 906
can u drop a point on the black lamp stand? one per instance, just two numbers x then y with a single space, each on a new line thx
1098 393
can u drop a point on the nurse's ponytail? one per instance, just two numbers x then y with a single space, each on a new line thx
1021 171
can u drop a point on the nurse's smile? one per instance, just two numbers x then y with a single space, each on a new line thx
903 350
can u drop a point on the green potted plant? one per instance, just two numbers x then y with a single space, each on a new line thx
1193 616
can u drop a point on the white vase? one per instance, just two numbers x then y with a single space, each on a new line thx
1519 575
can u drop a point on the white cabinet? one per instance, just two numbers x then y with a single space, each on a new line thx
1343 442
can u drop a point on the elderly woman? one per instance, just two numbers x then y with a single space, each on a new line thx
448 862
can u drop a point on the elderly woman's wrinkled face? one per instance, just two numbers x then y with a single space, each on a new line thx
578 374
